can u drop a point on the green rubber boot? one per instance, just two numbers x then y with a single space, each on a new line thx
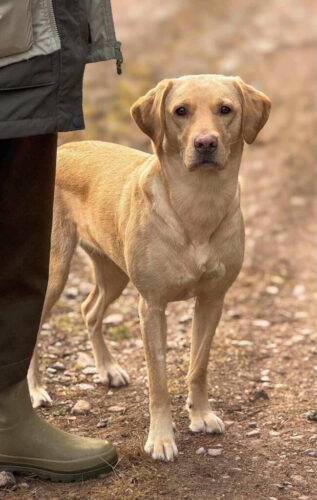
29 444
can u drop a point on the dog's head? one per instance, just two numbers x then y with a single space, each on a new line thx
201 117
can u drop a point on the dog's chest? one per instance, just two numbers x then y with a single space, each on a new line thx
199 266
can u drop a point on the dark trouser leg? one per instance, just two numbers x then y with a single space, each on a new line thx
27 175
27 442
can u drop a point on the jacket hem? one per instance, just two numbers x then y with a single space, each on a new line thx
38 126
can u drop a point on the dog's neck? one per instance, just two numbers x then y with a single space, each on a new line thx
201 198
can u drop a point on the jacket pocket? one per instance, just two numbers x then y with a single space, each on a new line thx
16 33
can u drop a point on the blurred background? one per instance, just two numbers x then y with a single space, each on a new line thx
264 358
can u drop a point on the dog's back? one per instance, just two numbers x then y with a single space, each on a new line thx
81 163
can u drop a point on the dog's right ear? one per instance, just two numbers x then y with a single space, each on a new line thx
148 112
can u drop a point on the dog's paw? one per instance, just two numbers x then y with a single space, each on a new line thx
114 376
161 448
207 422
40 397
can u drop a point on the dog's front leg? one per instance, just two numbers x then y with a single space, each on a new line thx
206 318
160 443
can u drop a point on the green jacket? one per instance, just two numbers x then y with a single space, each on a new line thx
44 46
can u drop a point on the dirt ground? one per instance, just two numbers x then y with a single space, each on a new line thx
263 364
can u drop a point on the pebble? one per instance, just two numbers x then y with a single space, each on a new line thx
113 319
82 407
298 290
214 452
89 370
185 318
254 433
116 409
300 315
263 323
298 201
102 423
85 387
200 451
7 479
296 437
241 343
274 433
311 453
272 290
58 366
24 486
71 292
84 360
51 370
298 480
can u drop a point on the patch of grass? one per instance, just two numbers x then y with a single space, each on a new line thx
119 333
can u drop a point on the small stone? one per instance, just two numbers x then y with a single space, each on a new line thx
102 423
116 409
254 433
58 366
113 319
185 318
85 288
298 201
85 387
274 433
263 323
300 315
311 453
46 326
296 437
84 360
241 343
82 407
298 290
200 451
305 331
298 480
214 452
7 479
265 378
272 290
89 370
71 292
24 486
51 370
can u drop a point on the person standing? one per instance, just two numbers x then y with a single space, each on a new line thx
44 46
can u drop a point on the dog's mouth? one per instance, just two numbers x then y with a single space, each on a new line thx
206 163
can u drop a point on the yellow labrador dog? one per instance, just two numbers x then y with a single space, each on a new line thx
170 222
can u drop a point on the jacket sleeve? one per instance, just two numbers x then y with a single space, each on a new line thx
103 43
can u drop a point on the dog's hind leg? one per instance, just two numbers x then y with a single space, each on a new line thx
109 282
206 318
63 243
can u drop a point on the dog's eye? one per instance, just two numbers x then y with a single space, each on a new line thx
224 110
181 111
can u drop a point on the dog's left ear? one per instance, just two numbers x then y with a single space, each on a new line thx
148 112
255 109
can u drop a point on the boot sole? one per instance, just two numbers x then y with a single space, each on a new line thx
59 476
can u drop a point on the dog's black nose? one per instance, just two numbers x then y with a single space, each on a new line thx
206 142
